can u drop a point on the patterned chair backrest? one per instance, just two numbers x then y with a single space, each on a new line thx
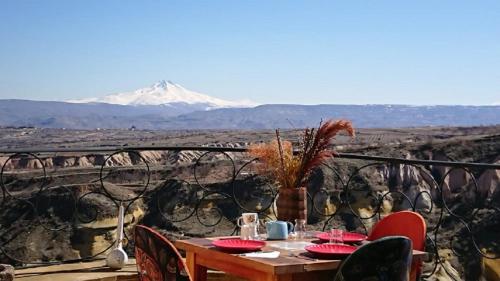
386 259
157 259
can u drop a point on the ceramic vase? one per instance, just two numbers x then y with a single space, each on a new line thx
291 204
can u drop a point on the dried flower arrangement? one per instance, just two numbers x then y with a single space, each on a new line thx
293 171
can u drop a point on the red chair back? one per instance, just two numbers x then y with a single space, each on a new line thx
404 223
157 258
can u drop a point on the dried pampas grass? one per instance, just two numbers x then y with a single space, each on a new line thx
277 158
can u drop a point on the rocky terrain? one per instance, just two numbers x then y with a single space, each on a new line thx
38 138
67 214
50 114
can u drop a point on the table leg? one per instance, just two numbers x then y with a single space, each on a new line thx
280 277
320 275
197 272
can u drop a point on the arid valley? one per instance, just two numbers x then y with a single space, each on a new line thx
61 188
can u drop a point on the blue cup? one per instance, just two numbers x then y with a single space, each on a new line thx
278 230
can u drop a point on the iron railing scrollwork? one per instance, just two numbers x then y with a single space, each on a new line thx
221 183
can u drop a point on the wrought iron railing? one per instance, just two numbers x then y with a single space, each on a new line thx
67 197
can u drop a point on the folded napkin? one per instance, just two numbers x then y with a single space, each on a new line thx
268 255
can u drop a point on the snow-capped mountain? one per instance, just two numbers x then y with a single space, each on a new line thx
166 93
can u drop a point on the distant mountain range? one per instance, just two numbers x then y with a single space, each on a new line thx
166 105
166 93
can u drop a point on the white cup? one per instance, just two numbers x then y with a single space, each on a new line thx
248 218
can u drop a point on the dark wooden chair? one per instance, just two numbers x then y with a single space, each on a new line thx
385 259
157 258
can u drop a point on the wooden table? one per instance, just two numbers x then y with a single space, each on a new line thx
290 265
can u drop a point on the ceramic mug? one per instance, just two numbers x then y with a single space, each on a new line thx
278 230
248 218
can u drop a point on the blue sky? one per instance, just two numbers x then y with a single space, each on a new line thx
269 51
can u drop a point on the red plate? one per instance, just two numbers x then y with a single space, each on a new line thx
331 250
238 245
349 237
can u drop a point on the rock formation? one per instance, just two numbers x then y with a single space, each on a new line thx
6 272
489 183
452 180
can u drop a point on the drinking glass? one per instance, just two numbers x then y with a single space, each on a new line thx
245 232
300 228
261 230
336 236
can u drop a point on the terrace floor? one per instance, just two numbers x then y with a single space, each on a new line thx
85 271
94 271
